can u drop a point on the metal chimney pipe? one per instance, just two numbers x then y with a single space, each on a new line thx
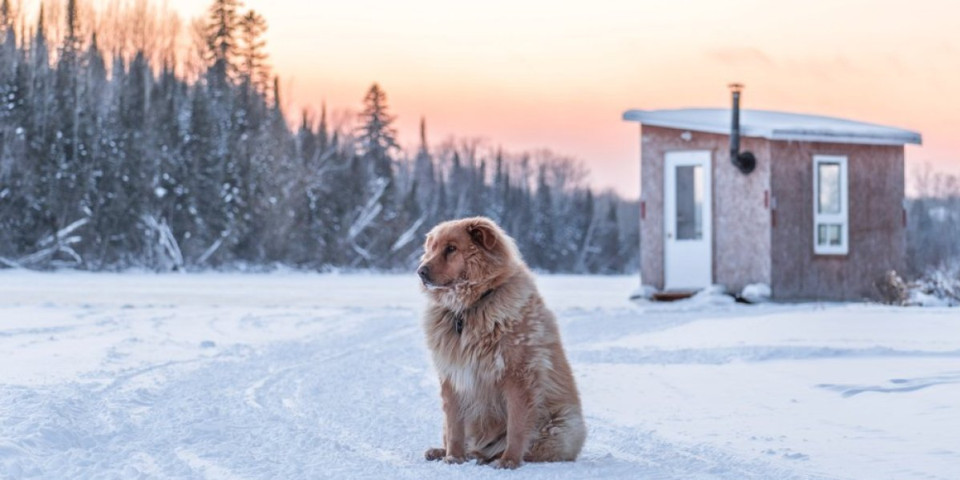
745 161
735 88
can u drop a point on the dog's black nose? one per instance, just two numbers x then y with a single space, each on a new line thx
424 272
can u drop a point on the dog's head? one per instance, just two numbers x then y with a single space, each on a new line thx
466 252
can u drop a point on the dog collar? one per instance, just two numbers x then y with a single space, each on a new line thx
485 295
458 319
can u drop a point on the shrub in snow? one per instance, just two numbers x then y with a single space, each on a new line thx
756 293
920 299
893 290
938 287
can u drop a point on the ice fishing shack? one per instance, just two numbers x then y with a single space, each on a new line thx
809 205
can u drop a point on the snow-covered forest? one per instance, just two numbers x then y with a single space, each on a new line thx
933 230
129 140
933 234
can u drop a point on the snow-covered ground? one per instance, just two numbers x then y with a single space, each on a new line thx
294 375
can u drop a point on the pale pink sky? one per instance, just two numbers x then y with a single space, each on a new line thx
530 74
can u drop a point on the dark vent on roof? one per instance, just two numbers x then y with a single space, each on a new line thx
744 161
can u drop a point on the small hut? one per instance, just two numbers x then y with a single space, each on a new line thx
811 206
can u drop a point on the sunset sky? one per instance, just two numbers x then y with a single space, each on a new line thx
530 74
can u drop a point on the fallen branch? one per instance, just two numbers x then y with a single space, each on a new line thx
56 237
213 248
166 240
9 263
369 212
409 235
59 242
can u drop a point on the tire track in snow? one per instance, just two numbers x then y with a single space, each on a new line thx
350 403
655 457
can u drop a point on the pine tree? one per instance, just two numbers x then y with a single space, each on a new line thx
223 19
205 176
376 135
608 259
585 227
253 58
441 205
544 235
499 189
323 130
376 139
91 100
43 140
307 140
67 148
15 175
423 170
456 190
140 167
169 186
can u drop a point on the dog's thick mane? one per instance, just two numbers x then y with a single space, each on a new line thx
495 269
474 354
483 314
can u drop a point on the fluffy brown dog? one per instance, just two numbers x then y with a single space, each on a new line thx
508 392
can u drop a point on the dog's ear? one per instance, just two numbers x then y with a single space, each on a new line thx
483 232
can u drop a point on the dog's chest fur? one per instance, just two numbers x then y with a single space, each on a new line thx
469 359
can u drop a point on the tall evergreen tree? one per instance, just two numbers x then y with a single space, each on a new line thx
376 136
423 169
376 140
223 22
544 236
610 260
323 130
251 51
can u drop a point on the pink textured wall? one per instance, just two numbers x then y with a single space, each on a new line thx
876 231
741 222
753 244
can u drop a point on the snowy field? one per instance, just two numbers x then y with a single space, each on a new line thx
295 375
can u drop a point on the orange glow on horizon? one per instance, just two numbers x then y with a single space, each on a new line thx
535 74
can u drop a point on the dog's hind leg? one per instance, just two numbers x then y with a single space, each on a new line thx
560 440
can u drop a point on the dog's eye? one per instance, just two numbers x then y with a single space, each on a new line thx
450 249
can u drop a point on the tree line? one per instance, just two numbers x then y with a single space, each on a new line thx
115 155
933 226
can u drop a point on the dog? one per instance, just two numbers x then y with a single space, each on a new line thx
508 391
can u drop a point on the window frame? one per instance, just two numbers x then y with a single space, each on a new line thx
842 218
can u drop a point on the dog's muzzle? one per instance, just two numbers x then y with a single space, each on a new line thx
424 273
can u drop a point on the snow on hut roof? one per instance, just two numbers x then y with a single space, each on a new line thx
775 125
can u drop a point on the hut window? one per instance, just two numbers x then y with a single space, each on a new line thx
830 220
689 202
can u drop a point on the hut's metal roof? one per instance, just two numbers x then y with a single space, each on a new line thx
776 125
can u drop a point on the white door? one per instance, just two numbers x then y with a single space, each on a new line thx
688 261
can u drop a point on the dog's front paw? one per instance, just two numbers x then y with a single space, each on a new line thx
507 463
434 454
454 459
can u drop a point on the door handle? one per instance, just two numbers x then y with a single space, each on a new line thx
670 235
